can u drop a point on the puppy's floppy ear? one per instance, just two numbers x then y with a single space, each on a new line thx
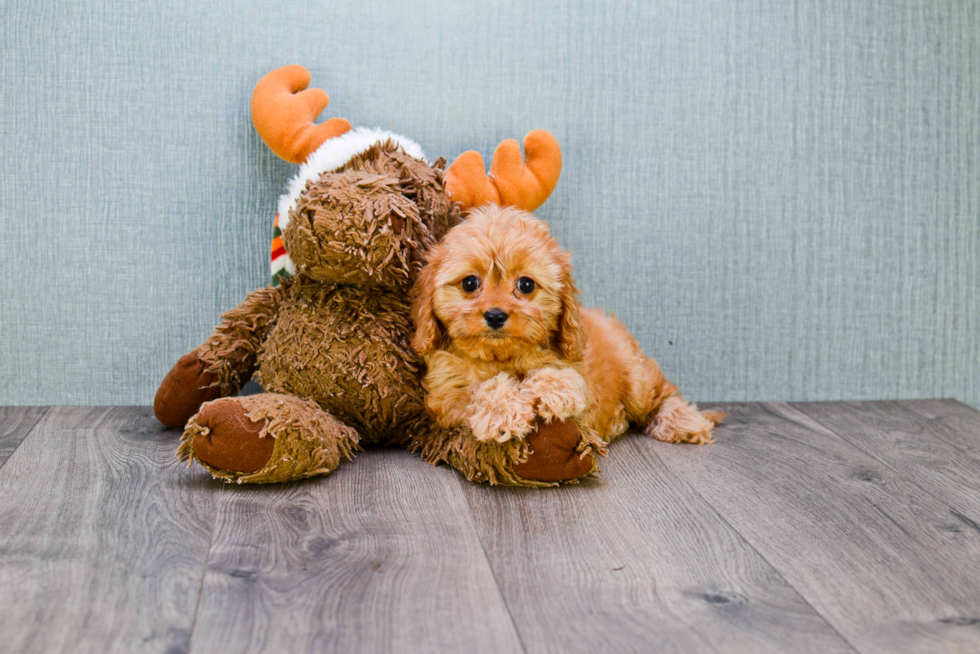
568 338
428 330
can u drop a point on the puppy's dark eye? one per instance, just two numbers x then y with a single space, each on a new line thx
525 285
471 283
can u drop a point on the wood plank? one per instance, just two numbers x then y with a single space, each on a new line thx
963 420
864 546
636 561
379 556
940 407
930 452
102 538
16 422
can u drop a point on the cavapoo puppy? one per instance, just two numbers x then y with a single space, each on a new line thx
506 343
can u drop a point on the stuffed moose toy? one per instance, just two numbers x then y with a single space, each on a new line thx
329 341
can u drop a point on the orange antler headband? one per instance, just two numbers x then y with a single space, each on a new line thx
283 114
512 181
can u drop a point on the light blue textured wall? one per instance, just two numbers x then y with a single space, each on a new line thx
780 197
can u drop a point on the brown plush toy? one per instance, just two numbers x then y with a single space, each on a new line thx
331 343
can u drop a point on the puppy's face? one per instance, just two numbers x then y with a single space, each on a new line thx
497 285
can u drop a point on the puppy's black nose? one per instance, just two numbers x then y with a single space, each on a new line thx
495 318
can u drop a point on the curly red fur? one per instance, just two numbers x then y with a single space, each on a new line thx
549 359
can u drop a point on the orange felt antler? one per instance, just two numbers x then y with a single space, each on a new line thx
513 181
283 114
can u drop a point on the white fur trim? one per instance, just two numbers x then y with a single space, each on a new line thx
333 154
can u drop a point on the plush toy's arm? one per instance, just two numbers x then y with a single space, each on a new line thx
232 349
221 365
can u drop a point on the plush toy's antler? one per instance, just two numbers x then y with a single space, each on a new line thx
283 114
514 182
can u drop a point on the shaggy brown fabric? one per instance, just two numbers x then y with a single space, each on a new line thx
348 351
307 440
185 388
229 440
489 462
552 455
497 463
230 352
370 223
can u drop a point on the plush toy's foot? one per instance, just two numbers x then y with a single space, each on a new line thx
228 440
266 438
553 456
552 453
185 388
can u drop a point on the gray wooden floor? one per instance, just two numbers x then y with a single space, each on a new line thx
807 527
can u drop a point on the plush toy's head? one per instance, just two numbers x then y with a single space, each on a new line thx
365 205
371 222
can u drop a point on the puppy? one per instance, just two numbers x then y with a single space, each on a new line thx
506 343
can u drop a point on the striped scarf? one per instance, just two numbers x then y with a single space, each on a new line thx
282 265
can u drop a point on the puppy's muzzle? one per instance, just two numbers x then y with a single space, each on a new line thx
495 318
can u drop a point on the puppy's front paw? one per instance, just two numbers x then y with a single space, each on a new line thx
500 411
556 393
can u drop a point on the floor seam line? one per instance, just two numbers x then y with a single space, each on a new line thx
204 576
29 433
493 573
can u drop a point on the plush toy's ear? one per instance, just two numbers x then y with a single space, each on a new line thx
283 114
429 332
569 334
524 183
